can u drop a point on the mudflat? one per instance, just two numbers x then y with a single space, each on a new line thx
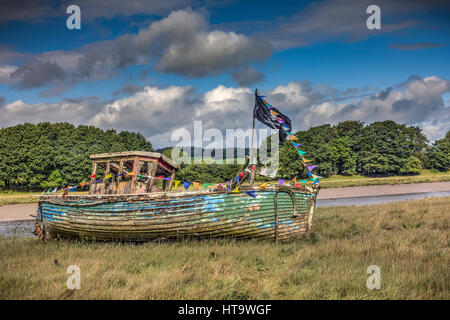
16 212
382 190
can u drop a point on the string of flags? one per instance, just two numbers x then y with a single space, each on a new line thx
282 120
287 128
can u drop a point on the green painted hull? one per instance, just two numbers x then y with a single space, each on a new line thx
278 213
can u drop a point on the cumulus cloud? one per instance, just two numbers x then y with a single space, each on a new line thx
180 43
420 102
150 111
245 77
5 73
38 10
157 112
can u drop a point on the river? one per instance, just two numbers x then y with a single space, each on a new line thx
23 225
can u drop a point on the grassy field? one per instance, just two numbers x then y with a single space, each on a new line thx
357 181
16 197
331 182
409 241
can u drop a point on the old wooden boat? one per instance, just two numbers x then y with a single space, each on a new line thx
127 207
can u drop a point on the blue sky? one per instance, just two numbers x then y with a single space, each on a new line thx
311 57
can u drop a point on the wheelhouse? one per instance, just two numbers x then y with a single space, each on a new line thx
131 172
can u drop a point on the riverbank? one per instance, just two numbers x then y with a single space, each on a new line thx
17 212
407 240
8 198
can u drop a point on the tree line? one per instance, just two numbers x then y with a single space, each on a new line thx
37 156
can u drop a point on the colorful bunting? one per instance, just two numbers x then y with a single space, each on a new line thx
196 185
206 185
54 190
237 180
303 181
236 190
311 168
263 186
251 193
108 176
297 144
186 184
94 176
176 182
300 152
280 182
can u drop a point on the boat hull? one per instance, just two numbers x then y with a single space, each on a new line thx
281 214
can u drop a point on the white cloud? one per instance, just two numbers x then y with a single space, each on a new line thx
156 112
181 43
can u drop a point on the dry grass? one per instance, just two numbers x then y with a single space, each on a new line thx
407 240
16 197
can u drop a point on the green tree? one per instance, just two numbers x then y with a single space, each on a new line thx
439 155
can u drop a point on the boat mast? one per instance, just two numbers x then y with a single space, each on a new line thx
252 175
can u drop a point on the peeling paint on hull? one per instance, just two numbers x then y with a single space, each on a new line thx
274 213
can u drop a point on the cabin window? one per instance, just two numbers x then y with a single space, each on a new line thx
127 168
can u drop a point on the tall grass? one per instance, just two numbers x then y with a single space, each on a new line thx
407 240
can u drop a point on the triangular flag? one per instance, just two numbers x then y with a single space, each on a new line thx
82 184
309 173
252 167
292 137
237 180
297 144
108 176
236 190
177 182
303 181
93 176
316 181
196 185
310 168
300 152
167 178
274 113
295 179
54 190
273 174
263 186
298 185
316 176
305 160
130 173
206 185
251 193
186 184
280 182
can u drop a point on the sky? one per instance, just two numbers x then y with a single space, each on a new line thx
156 66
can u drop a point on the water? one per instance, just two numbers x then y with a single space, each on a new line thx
22 228
25 228
360 201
